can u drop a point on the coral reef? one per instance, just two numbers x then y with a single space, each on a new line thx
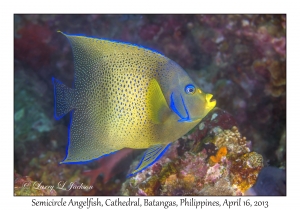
250 163
30 118
46 169
230 171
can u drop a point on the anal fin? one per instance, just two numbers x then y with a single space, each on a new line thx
150 156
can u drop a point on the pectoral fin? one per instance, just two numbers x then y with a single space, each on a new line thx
158 108
150 156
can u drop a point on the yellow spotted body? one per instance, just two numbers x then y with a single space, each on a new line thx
121 98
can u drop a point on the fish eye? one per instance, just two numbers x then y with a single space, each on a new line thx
190 89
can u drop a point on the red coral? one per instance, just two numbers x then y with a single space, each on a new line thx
33 46
107 166
156 168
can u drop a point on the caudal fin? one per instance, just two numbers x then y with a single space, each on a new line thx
63 99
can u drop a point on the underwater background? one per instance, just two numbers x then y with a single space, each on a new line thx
240 59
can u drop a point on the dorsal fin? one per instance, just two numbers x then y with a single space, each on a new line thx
91 54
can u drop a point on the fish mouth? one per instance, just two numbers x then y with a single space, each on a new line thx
210 103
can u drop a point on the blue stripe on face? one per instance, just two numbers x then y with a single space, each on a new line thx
174 109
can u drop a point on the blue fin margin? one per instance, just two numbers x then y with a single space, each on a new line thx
160 150
115 41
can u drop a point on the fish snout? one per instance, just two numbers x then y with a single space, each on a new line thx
210 104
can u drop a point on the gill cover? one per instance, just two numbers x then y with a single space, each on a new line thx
187 100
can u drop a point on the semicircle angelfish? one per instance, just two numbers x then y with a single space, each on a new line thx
126 96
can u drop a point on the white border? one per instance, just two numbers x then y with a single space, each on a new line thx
8 8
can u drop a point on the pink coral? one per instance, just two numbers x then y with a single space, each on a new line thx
279 44
148 32
195 164
213 173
